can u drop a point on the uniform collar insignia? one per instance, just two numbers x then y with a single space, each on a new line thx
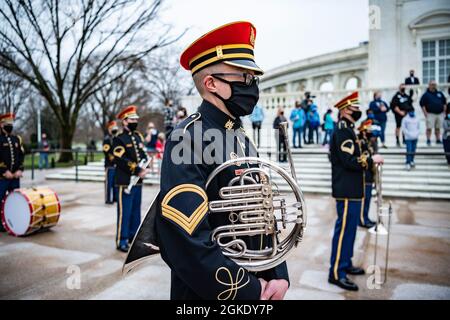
229 125
219 118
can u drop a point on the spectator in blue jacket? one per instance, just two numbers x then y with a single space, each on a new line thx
328 126
257 117
434 106
313 119
380 109
298 119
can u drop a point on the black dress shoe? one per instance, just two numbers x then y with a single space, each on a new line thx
344 283
368 224
355 271
123 248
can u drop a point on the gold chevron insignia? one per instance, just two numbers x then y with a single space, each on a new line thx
119 151
187 223
349 148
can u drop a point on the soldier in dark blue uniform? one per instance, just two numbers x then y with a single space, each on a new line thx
365 144
11 157
348 164
223 70
110 167
128 151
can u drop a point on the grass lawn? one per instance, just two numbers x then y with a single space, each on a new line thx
81 160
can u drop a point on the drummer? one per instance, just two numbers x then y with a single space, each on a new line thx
11 156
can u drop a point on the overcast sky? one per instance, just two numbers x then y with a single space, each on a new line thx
287 30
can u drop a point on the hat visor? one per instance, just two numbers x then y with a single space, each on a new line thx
132 116
245 64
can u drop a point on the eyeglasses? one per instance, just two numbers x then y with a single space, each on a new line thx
249 79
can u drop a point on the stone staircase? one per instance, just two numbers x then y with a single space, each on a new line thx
430 179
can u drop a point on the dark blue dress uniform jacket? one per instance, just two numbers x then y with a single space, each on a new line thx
184 225
108 151
347 163
11 154
129 150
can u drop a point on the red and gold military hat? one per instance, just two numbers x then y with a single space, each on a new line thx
232 44
366 125
112 124
129 112
351 100
7 117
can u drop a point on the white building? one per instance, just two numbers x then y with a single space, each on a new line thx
408 34
403 35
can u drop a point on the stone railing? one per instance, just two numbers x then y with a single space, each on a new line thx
323 99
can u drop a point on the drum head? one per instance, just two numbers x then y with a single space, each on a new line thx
17 213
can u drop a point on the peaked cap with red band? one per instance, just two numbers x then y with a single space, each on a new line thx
112 124
366 125
129 112
351 100
232 44
7 117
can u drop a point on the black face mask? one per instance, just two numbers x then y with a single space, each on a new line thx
132 126
243 98
8 128
356 115
114 132
402 90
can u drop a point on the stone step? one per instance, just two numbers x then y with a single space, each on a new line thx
322 164
323 171
430 178
397 160
386 193
386 185
387 166
311 178
405 189
386 179
308 149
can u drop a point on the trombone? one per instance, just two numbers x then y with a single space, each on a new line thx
380 229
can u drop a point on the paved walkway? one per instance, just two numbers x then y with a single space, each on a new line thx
42 266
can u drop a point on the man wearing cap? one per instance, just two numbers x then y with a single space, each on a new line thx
364 141
348 164
110 170
128 151
223 69
11 157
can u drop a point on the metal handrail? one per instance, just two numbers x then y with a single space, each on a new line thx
77 151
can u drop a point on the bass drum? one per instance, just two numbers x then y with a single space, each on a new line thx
25 211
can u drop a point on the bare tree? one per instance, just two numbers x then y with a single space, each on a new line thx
55 40
14 92
166 78
128 88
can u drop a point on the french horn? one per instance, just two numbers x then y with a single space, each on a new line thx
255 207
